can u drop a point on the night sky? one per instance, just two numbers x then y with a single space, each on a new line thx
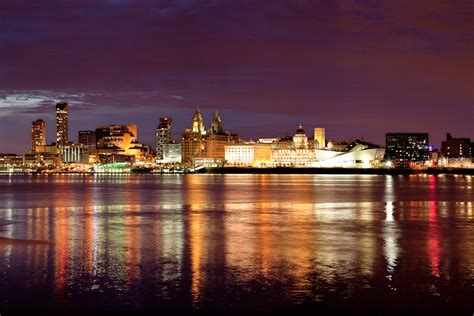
358 68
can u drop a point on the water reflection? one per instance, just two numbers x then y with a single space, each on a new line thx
236 240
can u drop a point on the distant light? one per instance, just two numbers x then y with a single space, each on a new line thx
388 164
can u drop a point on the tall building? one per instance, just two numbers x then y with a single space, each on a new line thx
61 123
320 137
163 132
38 134
87 138
456 147
193 139
405 149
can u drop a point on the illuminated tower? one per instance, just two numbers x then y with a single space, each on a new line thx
38 134
216 125
193 141
61 123
198 122
320 136
162 136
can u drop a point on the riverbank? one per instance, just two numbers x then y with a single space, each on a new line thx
283 170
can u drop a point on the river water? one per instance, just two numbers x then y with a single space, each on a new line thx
233 242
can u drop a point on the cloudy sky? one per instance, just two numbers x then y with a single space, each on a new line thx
358 68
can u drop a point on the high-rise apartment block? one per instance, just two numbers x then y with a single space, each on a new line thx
38 134
61 123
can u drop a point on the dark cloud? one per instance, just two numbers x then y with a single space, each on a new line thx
347 65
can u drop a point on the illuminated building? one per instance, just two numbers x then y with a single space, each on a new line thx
320 137
206 147
162 136
61 123
42 160
357 154
293 152
456 147
248 155
87 138
115 141
193 139
11 160
457 152
404 150
116 137
172 153
74 153
38 134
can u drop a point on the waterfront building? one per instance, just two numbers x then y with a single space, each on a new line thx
293 151
11 160
248 155
116 137
319 137
38 134
87 138
163 138
356 154
61 123
405 150
42 160
206 147
193 139
74 153
172 153
456 147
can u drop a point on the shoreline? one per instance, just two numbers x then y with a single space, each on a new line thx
276 170
391 171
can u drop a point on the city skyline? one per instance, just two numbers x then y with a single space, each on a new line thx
360 70
73 137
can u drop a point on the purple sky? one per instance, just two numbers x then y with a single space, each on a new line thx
358 68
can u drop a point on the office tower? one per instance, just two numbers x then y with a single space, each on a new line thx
456 147
163 132
406 149
38 134
61 123
87 138
320 137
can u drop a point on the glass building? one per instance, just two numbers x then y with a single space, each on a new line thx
405 150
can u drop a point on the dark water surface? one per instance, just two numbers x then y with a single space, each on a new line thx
133 242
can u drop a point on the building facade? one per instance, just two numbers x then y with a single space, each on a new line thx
87 138
406 150
456 147
163 136
61 123
319 137
38 134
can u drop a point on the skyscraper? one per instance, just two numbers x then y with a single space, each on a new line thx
38 134
61 123
162 136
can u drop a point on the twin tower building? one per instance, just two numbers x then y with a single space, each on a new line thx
198 144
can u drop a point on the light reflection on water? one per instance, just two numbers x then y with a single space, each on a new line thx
217 241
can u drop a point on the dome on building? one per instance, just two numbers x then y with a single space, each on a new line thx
300 130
